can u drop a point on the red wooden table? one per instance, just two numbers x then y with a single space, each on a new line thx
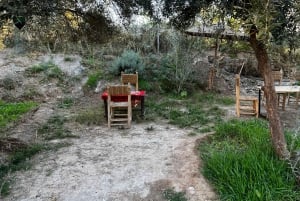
136 97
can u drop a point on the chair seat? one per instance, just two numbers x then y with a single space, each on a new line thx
248 98
119 104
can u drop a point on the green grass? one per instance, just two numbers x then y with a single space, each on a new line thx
241 164
66 102
11 112
172 195
49 69
54 129
192 111
91 116
93 79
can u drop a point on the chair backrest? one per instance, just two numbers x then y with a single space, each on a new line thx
131 79
118 90
277 76
295 75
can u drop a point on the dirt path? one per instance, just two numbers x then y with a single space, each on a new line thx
125 165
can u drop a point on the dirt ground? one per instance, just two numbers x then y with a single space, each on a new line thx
135 164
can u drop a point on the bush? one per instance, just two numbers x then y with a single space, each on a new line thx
178 72
128 62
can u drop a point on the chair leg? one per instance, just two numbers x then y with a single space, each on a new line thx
108 117
237 109
255 107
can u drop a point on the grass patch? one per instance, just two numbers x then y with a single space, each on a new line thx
54 129
91 116
49 69
195 111
66 102
241 164
11 112
18 160
172 195
93 80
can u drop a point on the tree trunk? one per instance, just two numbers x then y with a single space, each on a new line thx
264 68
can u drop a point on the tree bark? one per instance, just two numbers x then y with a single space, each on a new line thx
264 68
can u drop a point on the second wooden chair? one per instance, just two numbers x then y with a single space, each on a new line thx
131 79
245 105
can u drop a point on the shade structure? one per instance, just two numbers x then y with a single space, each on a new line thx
215 31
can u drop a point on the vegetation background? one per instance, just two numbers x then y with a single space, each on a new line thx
173 67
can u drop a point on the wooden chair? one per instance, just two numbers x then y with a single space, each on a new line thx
245 105
132 79
119 111
277 76
294 98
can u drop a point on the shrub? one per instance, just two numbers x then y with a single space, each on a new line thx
178 72
128 62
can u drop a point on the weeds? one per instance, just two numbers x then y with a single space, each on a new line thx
54 129
66 103
11 112
19 160
49 69
241 164
93 80
195 111
90 116
172 195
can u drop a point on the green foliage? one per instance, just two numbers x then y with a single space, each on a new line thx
195 111
93 79
177 71
49 68
66 102
92 62
240 162
172 195
10 112
128 62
